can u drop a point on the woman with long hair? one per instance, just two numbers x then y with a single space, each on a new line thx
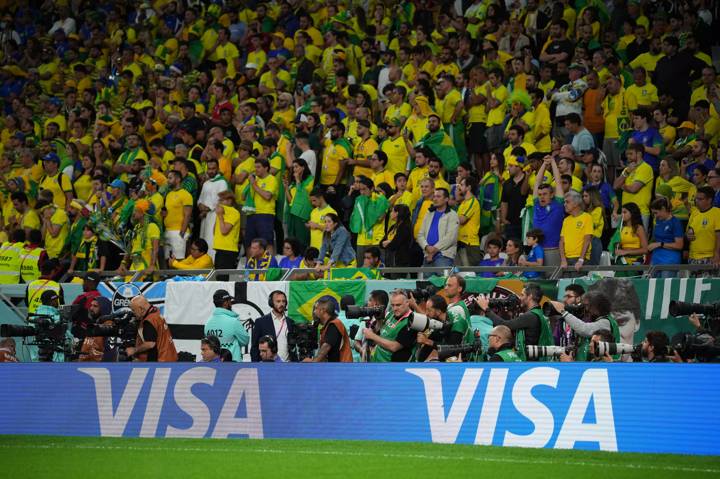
489 191
633 237
398 240
100 154
513 251
337 245
83 178
298 207
594 206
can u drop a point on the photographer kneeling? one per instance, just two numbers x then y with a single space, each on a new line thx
500 346
597 317
334 340
154 341
531 327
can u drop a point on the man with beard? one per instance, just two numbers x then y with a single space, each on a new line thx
276 325
94 348
597 317
530 327
437 141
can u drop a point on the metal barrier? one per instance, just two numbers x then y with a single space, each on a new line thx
550 272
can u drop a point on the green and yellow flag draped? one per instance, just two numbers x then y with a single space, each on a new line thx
304 294
442 146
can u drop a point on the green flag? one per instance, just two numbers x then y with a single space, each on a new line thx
442 145
301 206
304 294
354 273
615 240
472 285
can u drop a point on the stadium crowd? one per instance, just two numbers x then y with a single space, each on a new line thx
189 135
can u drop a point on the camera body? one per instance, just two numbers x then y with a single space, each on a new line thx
356 312
46 332
123 330
702 347
302 341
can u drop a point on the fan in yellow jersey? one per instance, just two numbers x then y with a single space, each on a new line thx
469 253
55 181
703 230
145 244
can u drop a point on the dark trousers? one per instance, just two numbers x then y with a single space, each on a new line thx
225 260
259 226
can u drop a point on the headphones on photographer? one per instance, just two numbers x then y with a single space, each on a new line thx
270 341
272 296
214 343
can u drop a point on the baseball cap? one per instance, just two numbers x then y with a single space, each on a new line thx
221 295
118 184
48 296
92 276
364 123
393 122
687 124
252 66
51 157
577 66
19 135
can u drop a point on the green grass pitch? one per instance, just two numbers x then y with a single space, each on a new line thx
66 457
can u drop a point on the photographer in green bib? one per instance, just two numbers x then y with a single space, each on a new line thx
530 327
500 342
396 341
596 306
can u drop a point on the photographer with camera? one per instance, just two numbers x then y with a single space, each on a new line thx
530 327
562 332
154 341
373 314
93 348
49 310
225 324
334 340
655 347
603 336
276 324
396 341
596 309
500 347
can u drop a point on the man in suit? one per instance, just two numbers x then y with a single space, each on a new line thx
275 324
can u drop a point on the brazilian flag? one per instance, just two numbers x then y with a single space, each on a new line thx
304 294
443 147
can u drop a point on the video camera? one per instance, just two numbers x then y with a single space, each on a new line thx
355 312
123 329
577 310
536 352
48 334
678 308
302 341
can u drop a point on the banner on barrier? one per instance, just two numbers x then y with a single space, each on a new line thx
575 406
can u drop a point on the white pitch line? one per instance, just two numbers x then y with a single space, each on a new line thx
364 454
